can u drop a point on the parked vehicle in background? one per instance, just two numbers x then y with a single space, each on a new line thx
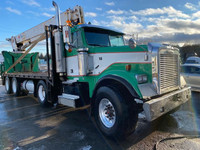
193 60
191 74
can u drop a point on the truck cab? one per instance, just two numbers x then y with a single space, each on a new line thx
144 78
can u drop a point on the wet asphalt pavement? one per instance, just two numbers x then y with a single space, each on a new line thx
25 125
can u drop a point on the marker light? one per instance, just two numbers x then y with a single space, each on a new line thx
128 67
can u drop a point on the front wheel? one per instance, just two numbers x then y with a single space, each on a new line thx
113 115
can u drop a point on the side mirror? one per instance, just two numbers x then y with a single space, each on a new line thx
132 43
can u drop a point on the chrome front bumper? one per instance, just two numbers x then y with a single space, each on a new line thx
157 107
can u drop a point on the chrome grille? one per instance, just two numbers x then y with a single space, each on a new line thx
168 72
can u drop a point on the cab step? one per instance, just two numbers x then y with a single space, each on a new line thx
68 100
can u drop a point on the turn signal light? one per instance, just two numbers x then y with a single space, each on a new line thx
69 23
128 67
69 50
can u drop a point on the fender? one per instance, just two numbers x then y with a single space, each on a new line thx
118 79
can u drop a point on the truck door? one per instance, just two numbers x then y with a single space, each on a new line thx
194 76
72 62
185 72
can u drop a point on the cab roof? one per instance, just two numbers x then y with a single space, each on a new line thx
192 65
99 27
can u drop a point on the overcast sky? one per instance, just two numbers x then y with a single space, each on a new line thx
153 20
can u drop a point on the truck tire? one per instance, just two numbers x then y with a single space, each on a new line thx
42 93
16 89
8 86
112 114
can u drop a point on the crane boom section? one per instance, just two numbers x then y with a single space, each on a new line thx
23 40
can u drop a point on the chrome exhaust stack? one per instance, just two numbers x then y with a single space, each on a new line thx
59 44
58 22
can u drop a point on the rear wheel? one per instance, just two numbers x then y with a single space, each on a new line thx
42 93
16 87
8 87
112 114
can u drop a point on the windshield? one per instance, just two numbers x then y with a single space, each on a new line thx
116 40
190 69
103 38
191 62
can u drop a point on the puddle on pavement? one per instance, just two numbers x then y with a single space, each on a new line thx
187 121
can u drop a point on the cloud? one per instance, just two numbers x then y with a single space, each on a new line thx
190 6
95 22
5 45
133 18
47 14
90 14
157 25
170 11
13 10
100 9
31 3
187 26
172 38
40 14
127 27
115 12
196 14
171 30
119 23
110 3
118 18
48 9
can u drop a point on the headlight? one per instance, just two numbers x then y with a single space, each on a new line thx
141 78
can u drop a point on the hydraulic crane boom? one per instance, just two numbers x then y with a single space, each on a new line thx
70 16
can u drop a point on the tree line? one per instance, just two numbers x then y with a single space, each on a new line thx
42 56
189 50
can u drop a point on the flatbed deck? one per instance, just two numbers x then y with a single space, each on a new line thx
35 75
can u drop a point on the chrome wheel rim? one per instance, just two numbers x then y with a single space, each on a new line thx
14 85
107 113
41 93
7 84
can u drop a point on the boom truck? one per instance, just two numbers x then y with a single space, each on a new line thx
91 65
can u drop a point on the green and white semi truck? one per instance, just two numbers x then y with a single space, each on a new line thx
91 65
